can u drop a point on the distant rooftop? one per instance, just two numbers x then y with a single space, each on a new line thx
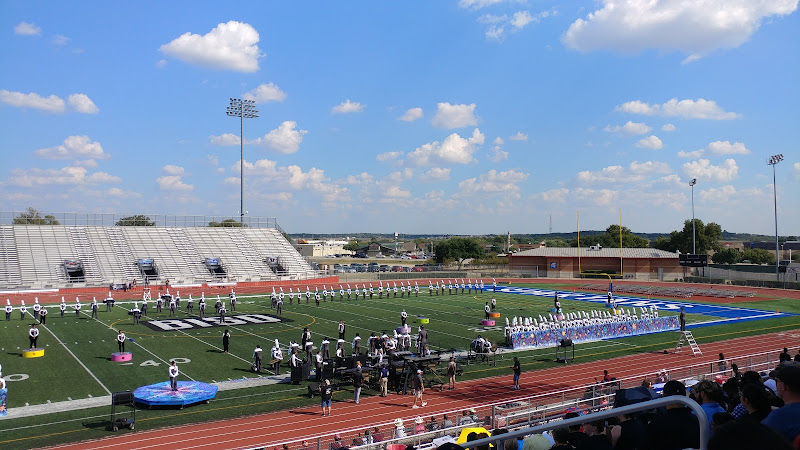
586 252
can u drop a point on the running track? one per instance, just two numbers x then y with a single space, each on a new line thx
275 428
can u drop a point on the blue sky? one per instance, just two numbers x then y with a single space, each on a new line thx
462 116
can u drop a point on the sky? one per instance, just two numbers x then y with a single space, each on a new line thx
441 117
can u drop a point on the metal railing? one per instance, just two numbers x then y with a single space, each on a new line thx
111 219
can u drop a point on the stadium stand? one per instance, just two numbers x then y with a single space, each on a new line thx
34 256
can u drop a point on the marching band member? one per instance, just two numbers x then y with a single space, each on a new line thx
177 299
371 291
77 307
94 307
486 309
172 306
43 315
316 297
201 305
190 305
380 290
341 293
326 353
340 348
494 285
121 341
108 301
277 357
279 305
402 289
291 296
173 376
309 348
416 289
356 344
258 359
430 288
36 308
144 305
306 336
273 298
364 291
341 329
318 365
218 303
295 361
159 302
9 309
294 346
280 296
231 298
308 295
494 303
403 317
348 292
222 312
22 310
136 312
33 335
62 307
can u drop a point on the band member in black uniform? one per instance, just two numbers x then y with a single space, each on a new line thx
226 339
43 316
341 329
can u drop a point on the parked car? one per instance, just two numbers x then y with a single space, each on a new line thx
418 269
397 268
384 268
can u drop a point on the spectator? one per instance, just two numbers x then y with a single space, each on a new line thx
797 356
722 364
735 371
536 442
786 420
337 442
709 394
399 428
432 425
647 383
629 434
446 422
677 428
720 419
662 376
596 439
756 401
466 417
607 377
784 356
771 383
377 436
731 390
576 436
419 425
561 436
746 435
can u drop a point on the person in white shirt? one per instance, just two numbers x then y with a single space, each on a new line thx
277 357
258 359
62 307
43 315
77 307
121 341
33 335
173 376
22 310
190 305
356 344
9 309
36 308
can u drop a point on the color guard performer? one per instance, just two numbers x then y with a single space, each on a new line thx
356 344
9 309
121 341
33 335
190 305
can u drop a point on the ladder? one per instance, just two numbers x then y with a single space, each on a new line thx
686 337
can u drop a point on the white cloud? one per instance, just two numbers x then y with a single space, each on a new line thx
70 176
520 19
796 167
361 179
454 116
224 140
119 193
687 109
695 28
388 156
610 174
596 197
82 103
27 29
161 63
494 182
411 115
52 104
91 163
266 93
720 195
692 155
668 127
497 154
170 169
61 40
703 170
726 148
265 171
347 107
173 183
478 4
520 136
498 141
453 150
435 174
396 192
499 24
630 128
228 46
213 160
650 167
74 147
554 195
652 142
285 139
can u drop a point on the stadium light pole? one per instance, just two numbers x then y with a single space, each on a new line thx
694 245
243 109
773 161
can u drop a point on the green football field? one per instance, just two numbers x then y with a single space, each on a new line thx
77 361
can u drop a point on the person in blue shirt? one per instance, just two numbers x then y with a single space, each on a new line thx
786 420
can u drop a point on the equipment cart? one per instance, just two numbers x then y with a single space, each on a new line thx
124 398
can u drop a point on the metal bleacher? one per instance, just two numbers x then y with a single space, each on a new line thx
33 256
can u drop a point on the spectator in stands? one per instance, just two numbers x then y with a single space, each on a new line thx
561 436
731 390
596 439
784 356
466 417
746 435
628 435
709 394
662 376
475 436
536 442
377 436
337 442
576 436
771 383
432 425
735 371
677 428
720 419
419 425
786 420
722 364
446 422
399 428
797 356
755 399
752 377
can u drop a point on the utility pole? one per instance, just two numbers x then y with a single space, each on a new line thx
243 109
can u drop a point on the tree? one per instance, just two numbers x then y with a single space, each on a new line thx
458 249
138 220
758 256
707 238
226 223
611 238
556 242
727 256
33 217
352 246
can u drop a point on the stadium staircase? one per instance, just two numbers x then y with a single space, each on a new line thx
114 257
9 261
688 338
42 251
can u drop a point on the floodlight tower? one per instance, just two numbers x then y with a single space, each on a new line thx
243 109
694 245
773 161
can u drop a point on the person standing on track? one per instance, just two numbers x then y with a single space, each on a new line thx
173 375
358 379
326 393
517 371
226 339
419 389
121 341
451 373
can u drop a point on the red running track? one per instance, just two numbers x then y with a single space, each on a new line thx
275 428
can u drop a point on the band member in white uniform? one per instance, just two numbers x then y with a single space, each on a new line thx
306 336
33 335
326 352
217 304
172 306
295 361
173 376
222 312
201 305
318 365
43 316
22 310
341 329
62 307
258 360
144 306
403 317
291 296
340 348
159 303
416 289
36 308
494 303
277 357
190 305
136 313
177 298
9 309
77 307
356 344
121 341
232 299
486 309
279 305
94 308
308 295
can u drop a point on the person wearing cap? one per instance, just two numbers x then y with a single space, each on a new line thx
399 428
419 389
326 394
677 428
419 425
277 357
709 395
786 420
9 309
